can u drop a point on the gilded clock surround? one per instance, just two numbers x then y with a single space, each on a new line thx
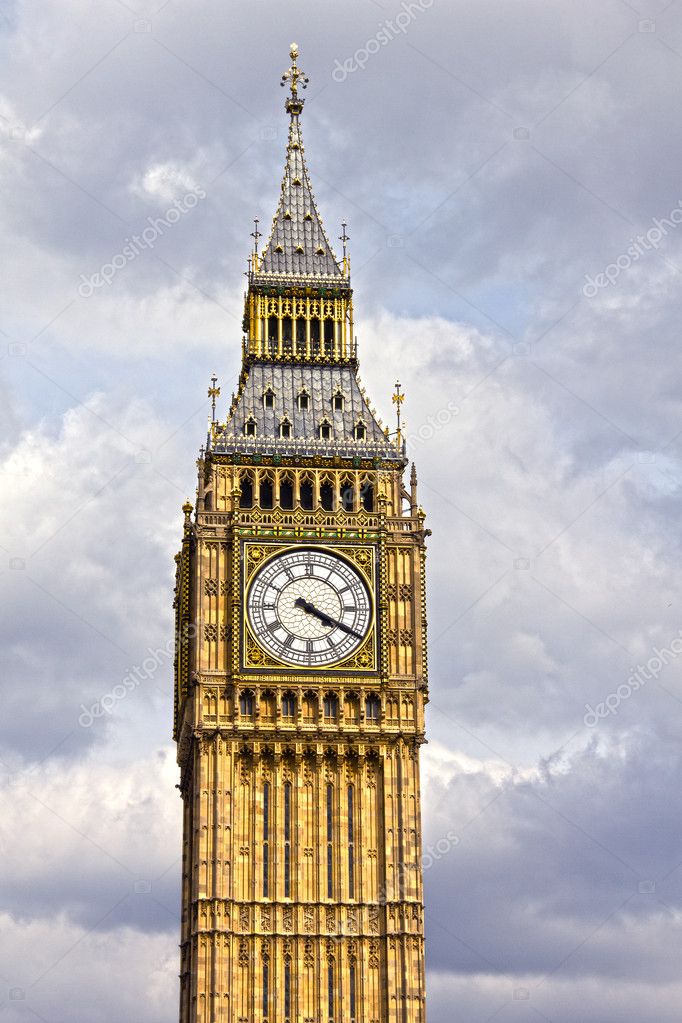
363 659
302 886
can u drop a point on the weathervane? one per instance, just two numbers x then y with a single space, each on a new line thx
398 399
213 393
294 75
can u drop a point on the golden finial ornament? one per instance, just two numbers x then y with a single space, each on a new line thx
213 393
295 76
398 399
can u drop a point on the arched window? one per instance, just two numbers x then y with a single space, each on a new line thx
330 841
272 328
287 843
286 493
327 496
288 706
347 495
325 430
265 492
310 708
338 402
351 982
287 330
303 400
331 707
250 427
246 488
330 991
360 431
246 703
266 853
269 398
285 428
372 709
367 496
267 706
351 845
315 335
352 709
306 493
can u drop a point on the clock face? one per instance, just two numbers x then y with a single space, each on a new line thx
308 607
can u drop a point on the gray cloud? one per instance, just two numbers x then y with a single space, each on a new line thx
486 161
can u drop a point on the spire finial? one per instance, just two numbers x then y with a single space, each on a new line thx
295 76
255 234
343 237
213 393
398 399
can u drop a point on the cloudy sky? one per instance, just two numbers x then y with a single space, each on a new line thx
510 175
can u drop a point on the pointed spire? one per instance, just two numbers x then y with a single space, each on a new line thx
298 246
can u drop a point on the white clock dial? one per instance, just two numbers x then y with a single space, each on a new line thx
309 607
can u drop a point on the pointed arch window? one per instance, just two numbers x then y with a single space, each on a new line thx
289 706
347 495
331 707
303 400
266 850
287 842
325 429
338 401
286 492
351 844
268 398
360 430
266 492
330 991
250 427
285 428
327 495
330 841
246 703
351 981
367 496
306 493
246 491
372 709
287 991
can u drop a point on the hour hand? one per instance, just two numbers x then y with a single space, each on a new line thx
310 609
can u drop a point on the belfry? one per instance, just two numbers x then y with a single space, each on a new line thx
300 673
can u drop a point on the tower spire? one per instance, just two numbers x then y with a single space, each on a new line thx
298 249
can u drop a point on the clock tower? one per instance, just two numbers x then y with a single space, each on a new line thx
300 676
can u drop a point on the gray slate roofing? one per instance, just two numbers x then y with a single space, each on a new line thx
298 245
321 383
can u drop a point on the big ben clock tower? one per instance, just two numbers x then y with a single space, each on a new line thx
301 664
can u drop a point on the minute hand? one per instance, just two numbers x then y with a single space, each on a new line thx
324 618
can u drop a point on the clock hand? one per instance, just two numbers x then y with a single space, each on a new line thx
310 609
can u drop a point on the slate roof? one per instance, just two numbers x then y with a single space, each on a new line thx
298 245
321 384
